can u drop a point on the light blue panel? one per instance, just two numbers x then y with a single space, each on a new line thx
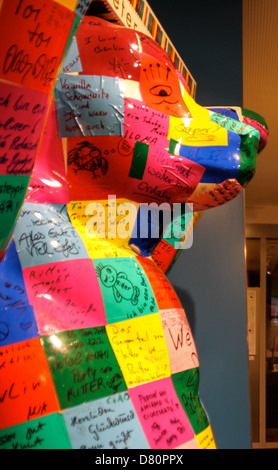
89 105
108 423
44 234
72 61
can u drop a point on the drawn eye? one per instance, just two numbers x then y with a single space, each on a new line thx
161 90
85 151
94 153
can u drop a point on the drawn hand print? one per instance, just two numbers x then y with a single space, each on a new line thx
160 88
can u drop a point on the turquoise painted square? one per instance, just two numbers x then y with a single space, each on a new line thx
125 288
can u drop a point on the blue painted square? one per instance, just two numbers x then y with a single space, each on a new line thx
44 234
17 319
221 162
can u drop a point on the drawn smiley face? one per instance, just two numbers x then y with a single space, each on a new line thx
108 276
160 87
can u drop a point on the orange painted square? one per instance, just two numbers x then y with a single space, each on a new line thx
33 38
163 255
164 293
110 156
26 387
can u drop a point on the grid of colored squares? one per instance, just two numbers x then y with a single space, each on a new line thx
95 348
81 369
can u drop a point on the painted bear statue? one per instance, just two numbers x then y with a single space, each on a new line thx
107 164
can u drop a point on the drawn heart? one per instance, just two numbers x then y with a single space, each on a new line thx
25 326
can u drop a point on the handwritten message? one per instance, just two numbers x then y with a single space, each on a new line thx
72 61
187 387
105 49
166 178
83 366
23 114
125 289
26 391
164 293
165 423
108 423
152 48
44 234
179 339
220 162
62 299
216 194
198 130
163 255
205 439
97 223
12 192
33 41
48 183
140 348
89 105
143 124
47 432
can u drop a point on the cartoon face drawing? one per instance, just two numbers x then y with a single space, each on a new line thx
123 289
85 156
108 276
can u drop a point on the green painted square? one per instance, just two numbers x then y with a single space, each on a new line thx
186 384
139 160
83 366
12 193
172 146
47 432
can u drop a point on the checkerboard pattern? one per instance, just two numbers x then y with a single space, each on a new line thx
95 348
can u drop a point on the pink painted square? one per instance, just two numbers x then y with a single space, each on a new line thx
65 295
161 415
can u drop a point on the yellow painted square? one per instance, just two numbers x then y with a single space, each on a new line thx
140 348
104 214
199 131
205 439
70 4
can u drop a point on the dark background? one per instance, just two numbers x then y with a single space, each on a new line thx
207 34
